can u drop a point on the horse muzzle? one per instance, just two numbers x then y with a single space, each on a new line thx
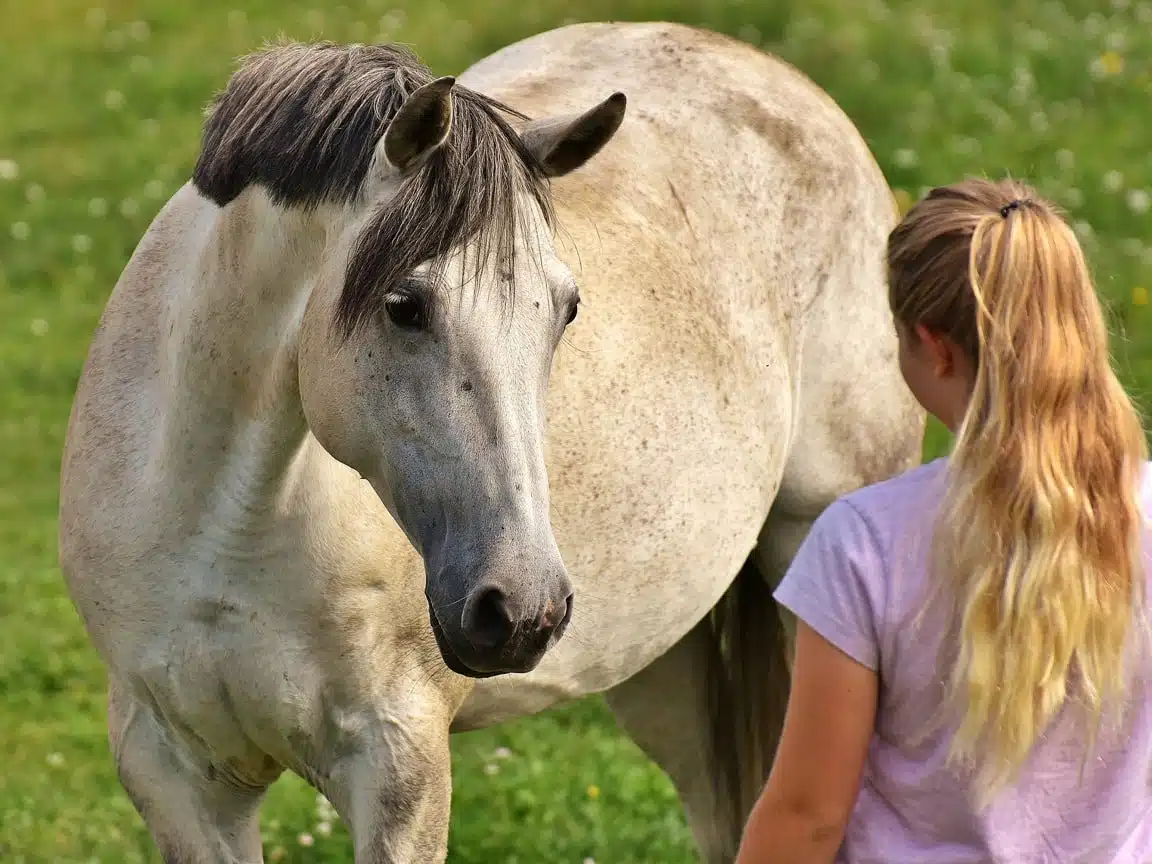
500 625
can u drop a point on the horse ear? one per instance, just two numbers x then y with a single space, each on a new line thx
563 144
420 126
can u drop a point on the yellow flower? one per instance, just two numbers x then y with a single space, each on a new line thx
593 792
1139 296
1112 63
903 200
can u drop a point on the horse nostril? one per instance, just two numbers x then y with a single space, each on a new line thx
490 625
567 610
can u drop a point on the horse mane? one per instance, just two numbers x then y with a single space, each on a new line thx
302 121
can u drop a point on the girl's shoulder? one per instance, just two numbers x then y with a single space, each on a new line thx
914 491
867 523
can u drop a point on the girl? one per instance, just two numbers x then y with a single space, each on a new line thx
972 679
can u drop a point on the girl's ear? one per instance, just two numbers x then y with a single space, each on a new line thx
941 350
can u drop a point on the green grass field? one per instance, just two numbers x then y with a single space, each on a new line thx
100 111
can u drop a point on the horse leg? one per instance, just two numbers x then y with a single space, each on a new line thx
392 785
195 814
665 709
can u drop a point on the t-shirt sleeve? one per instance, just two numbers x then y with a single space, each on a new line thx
835 583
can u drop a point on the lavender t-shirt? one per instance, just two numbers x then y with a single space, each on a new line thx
859 580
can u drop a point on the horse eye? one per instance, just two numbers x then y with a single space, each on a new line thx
407 313
572 310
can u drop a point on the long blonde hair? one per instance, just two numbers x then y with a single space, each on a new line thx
1038 538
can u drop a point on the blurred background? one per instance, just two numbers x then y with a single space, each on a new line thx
100 115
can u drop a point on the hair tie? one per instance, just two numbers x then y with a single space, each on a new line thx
1012 205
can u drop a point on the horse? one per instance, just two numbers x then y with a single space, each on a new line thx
433 401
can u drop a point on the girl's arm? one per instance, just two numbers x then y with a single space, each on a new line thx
802 813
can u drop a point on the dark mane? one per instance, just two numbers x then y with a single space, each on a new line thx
302 121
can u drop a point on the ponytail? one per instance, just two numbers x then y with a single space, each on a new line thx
1038 540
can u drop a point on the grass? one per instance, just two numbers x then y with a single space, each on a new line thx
100 109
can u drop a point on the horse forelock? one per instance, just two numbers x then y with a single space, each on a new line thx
302 121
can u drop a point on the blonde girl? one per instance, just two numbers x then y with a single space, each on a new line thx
971 679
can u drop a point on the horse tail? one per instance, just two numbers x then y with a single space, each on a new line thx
749 677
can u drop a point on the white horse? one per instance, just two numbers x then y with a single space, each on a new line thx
311 505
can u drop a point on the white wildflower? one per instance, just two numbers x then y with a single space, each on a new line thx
113 100
905 157
9 170
1138 200
19 230
1023 84
1037 41
81 244
393 21
97 207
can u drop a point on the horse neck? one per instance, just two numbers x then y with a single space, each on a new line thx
233 419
